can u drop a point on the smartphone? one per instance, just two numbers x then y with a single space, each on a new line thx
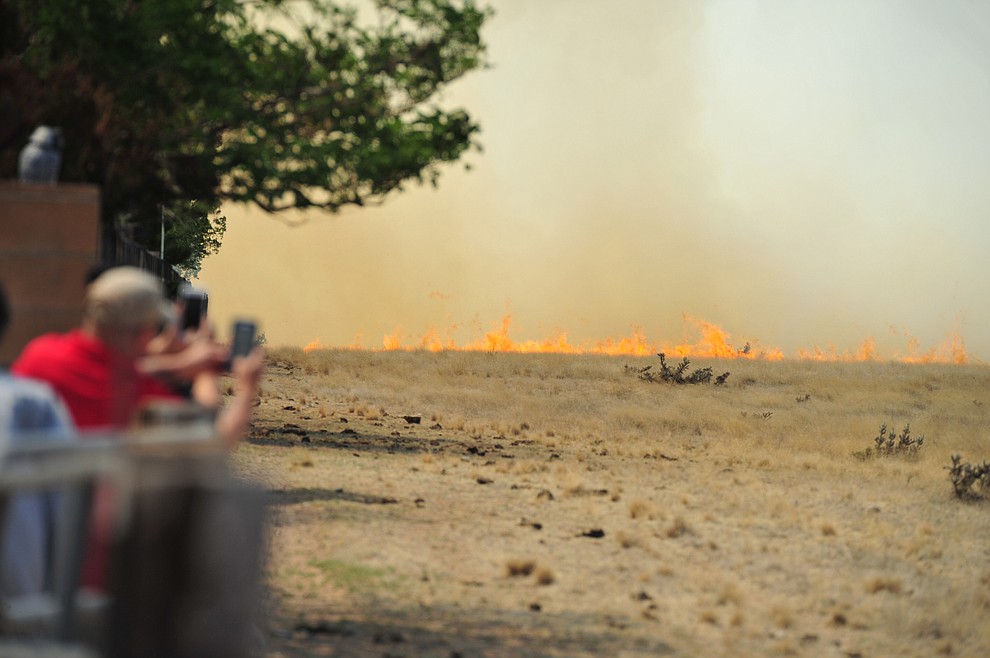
244 338
194 304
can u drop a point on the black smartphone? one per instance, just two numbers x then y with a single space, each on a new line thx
193 308
244 338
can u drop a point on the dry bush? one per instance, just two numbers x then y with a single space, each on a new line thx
884 584
544 576
629 539
678 527
519 567
969 481
642 509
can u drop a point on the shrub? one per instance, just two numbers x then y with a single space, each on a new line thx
677 374
969 481
891 444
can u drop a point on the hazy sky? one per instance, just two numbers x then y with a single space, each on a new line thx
798 173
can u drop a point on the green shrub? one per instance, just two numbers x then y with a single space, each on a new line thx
892 444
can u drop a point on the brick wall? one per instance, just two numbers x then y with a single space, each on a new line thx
49 237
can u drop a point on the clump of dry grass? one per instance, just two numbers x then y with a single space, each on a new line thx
878 584
677 528
629 539
730 595
519 567
544 576
640 508
783 617
709 617
523 567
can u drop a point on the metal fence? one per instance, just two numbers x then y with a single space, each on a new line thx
118 249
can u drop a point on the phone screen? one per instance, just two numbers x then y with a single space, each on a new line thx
243 338
192 310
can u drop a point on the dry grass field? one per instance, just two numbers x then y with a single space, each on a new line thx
505 505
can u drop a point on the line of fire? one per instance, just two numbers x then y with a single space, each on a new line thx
713 343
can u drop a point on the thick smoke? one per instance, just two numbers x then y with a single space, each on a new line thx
788 171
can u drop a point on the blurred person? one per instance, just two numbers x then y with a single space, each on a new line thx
104 374
29 411
178 355
175 356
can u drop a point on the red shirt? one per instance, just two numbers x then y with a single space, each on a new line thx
101 387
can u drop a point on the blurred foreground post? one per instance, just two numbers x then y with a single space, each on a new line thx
186 571
72 469
186 561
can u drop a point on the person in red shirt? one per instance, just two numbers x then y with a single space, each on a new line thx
101 386
101 369
101 372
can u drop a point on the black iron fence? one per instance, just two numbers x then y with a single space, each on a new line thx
118 249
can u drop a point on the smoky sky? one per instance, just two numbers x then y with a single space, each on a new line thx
798 173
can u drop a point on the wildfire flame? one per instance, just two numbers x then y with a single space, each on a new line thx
713 343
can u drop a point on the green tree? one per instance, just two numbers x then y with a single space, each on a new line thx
175 107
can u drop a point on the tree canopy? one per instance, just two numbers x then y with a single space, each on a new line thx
174 108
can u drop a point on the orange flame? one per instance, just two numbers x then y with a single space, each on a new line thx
867 352
714 343
952 350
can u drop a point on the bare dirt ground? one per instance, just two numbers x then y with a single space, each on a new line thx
396 533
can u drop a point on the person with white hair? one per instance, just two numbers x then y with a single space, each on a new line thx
98 370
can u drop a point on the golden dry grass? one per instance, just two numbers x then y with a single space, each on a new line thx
552 505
